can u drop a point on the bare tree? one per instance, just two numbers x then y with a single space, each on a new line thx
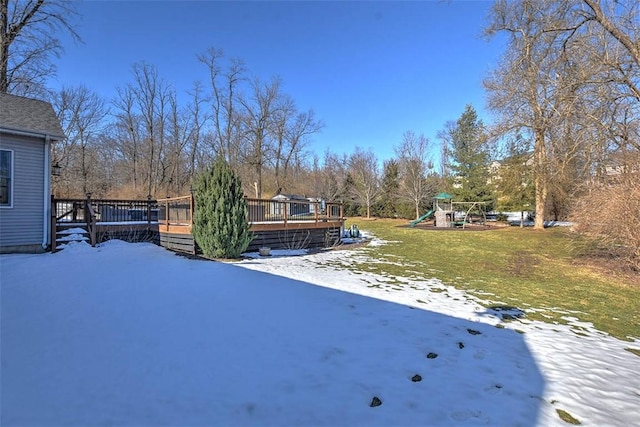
142 112
256 127
524 89
152 94
196 136
128 132
225 104
29 31
444 135
571 78
259 110
291 130
174 162
608 34
327 176
622 24
82 113
414 165
365 172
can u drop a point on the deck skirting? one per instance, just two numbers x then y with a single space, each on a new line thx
296 238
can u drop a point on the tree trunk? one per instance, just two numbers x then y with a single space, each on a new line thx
5 41
540 179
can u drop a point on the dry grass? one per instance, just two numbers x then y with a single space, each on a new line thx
521 267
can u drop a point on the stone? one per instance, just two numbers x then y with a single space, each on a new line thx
375 402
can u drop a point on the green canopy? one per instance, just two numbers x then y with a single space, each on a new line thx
444 196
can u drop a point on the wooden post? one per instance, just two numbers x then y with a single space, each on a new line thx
284 217
86 209
92 235
316 206
74 215
192 203
53 224
89 217
192 208
148 211
166 216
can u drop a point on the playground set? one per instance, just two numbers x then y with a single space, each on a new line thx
450 214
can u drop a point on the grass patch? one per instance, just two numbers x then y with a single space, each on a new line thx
567 417
634 351
527 267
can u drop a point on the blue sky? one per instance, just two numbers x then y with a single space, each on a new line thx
369 70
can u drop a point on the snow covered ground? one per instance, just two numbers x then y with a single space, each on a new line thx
131 334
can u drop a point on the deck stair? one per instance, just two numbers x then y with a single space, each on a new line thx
67 233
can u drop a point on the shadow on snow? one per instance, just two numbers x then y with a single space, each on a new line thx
175 341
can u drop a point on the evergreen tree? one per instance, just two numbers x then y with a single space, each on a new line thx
514 181
388 200
351 206
220 218
469 159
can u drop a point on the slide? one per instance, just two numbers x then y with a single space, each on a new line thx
422 218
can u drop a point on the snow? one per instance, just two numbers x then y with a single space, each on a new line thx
546 224
131 334
72 238
72 231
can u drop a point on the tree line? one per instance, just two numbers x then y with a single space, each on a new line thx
148 142
565 138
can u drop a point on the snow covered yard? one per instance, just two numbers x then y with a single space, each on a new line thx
130 334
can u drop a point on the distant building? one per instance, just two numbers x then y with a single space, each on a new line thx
28 128
296 205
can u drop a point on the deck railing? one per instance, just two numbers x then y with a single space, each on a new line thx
106 210
263 211
89 213
175 215
178 211
175 211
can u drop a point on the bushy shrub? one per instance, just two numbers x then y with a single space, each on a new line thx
220 218
609 214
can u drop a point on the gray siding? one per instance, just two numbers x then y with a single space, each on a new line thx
23 224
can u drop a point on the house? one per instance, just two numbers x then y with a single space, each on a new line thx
28 128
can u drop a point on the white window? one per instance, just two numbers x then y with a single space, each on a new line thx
6 178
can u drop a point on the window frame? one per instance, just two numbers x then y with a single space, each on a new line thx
9 205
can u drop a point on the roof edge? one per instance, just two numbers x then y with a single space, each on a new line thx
13 131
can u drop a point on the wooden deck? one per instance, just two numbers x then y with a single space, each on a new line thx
105 219
277 224
289 224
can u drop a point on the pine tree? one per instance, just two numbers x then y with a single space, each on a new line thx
220 219
469 159
388 199
515 181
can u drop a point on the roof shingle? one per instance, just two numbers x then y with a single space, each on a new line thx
28 115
